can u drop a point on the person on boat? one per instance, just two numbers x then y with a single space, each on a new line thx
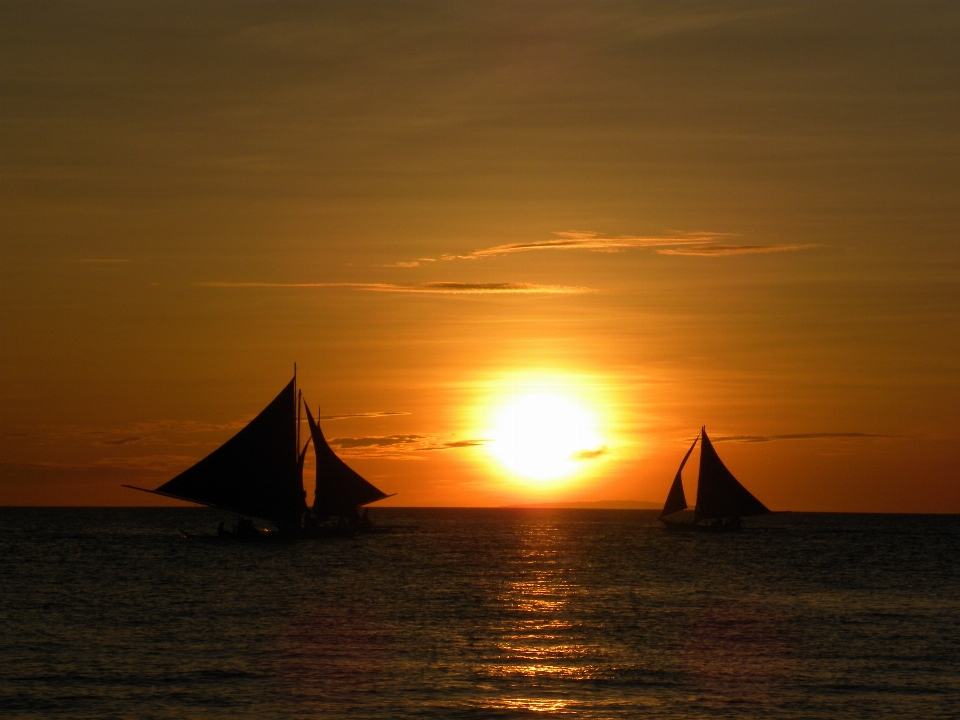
222 531
365 519
244 528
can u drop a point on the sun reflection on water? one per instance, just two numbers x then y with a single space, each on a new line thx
560 707
537 644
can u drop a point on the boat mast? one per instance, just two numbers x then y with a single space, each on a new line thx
298 407
696 508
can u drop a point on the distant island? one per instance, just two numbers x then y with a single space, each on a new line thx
597 505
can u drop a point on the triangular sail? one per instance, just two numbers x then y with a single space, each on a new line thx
340 490
719 493
303 456
257 472
676 500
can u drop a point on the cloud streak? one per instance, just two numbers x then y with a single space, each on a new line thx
429 288
590 454
396 445
705 244
349 443
410 264
131 440
457 444
363 415
727 250
799 436
592 241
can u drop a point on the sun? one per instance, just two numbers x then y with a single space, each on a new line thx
543 435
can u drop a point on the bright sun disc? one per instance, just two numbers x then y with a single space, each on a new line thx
542 436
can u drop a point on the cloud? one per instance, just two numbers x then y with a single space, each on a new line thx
707 244
132 440
592 241
396 445
363 415
797 436
429 288
724 250
411 263
381 441
590 454
522 288
457 444
192 426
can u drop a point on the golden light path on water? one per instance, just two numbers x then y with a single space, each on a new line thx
538 639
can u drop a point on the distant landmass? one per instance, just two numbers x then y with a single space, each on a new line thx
598 505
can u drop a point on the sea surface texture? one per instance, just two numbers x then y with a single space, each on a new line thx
479 614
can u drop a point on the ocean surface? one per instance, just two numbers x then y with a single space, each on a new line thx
109 613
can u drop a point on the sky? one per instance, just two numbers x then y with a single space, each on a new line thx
662 215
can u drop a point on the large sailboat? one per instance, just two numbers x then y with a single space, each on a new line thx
259 473
721 500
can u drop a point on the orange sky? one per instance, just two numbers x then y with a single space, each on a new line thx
743 215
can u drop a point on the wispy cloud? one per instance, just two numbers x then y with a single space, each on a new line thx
395 445
429 288
130 440
722 250
798 436
590 454
378 441
707 244
457 444
363 415
410 264
592 241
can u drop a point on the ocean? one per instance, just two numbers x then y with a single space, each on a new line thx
480 613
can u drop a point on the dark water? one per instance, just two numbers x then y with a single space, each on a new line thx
480 613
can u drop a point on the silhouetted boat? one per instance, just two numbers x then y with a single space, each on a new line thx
259 473
721 500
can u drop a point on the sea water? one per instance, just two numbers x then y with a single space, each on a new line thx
110 613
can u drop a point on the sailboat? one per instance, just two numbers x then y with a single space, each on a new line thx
259 473
721 500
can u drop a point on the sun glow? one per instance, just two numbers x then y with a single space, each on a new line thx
544 435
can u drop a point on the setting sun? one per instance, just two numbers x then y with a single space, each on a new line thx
543 436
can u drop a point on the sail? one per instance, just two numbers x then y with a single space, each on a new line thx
676 500
340 490
257 472
719 493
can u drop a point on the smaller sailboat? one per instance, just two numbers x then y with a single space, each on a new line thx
721 500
